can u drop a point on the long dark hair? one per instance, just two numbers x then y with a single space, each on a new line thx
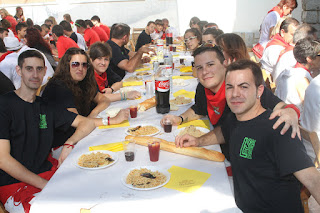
83 91
35 40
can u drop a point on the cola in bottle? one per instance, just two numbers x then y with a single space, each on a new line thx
162 89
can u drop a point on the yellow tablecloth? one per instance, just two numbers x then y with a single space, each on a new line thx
123 124
199 123
132 83
185 93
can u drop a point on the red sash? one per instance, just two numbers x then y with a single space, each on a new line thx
22 192
4 55
276 9
258 50
287 49
102 80
277 40
216 103
298 65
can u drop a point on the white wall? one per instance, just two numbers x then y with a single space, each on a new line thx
230 15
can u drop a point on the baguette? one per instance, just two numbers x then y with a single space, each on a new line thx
147 104
198 152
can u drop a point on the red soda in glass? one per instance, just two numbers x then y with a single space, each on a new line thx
154 150
133 111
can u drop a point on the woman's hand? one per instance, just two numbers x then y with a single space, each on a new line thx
123 115
133 95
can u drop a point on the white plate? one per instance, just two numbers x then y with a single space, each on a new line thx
205 130
113 155
146 75
182 83
183 104
152 168
143 125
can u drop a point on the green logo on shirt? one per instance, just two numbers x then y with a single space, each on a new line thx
247 147
43 122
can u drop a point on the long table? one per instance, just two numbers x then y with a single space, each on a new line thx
72 188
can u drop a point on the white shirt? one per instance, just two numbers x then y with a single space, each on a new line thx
155 36
286 85
286 61
174 32
81 42
270 57
310 117
269 21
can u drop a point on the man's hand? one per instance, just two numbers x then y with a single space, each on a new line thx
290 117
175 120
133 95
64 154
186 141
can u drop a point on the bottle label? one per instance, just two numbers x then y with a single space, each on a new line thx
162 86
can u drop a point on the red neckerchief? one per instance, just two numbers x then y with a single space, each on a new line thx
163 35
276 9
216 103
4 55
287 49
102 80
22 192
277 40
298 65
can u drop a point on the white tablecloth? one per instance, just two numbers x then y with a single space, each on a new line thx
72 188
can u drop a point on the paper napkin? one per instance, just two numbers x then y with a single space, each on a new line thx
182 77
114 147
185 93
186 180
142 69
199 123
132 83
123 124
186 69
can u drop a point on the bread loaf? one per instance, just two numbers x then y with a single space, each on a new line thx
198 152
147 104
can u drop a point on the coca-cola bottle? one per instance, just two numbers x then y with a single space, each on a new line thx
162 89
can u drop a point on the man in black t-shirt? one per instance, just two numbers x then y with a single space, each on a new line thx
266 165
27 124
144 37
122 59
210 100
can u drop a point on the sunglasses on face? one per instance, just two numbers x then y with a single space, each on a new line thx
77 64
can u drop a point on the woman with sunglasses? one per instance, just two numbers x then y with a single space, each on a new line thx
107 80
192 39
73 87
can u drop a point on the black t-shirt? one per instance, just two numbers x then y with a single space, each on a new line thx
112 77
56 92
118 54
143 39
74 37
6 84
263 162
30 127
268 100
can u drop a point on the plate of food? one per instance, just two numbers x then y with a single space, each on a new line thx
132 78
180 82
181 101
99 159
143 73
145 178
194 131
143 130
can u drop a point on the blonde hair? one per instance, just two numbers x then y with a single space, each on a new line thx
276 28
5 12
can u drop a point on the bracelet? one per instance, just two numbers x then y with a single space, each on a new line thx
112 90
121 96
295 108
106 121
68 145
124 96
181 119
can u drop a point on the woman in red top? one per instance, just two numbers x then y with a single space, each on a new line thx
5 15
107 80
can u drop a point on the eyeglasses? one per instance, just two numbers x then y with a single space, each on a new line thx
189 39
76 64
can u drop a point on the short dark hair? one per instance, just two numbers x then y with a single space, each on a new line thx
66 26
304 31
304 48
159 22
81 23
287 22
195 32
48 20
67 17
29 54
58 30
119 30
38 27
213 31
211 25
21 25
3 48
289 3
210 48
3 29
100 49
95 18
5 23
201 24
89 22
45 25
150 22
194 20
243 64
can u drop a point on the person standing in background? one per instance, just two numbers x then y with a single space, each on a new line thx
19 15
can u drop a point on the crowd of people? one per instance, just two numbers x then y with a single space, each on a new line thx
78 67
